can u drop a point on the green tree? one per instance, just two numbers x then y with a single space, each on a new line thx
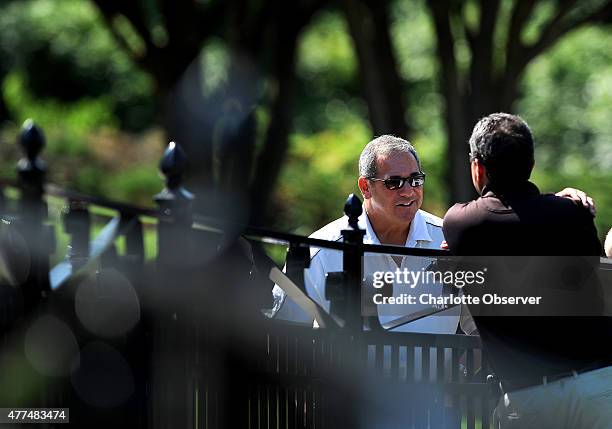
165 38
483 48
67 57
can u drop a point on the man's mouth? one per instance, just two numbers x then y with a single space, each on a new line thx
405 204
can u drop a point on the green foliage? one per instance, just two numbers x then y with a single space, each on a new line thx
320 172
67 123
67 55
413 36
431 151
326 52
215 64
136 186
567 96
67 73
328 92
415 45
330 130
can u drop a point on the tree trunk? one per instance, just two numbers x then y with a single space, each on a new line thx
455 115
369 25
458 131
277 137
4 113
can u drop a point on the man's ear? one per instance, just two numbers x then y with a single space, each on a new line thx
364 187
479 175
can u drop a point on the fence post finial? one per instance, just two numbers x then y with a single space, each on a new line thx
31 139
31 169
174 200
175 204
353 209
173 164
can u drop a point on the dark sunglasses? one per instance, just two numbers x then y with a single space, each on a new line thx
394 183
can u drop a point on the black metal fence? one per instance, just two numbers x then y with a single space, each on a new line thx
181 341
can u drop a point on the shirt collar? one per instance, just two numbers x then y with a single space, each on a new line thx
364 223
418 230
526 189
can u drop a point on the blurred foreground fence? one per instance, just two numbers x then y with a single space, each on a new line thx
181 341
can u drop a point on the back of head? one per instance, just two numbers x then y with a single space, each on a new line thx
504 144
383 146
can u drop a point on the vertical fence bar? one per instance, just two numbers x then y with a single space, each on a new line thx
173 399
486 418
438 417
410 358
352 267
31 173
77 224
132 264
379 357
471 402
425 362
3 205
134 249
487 413
394 373
298 258
455 369
440 364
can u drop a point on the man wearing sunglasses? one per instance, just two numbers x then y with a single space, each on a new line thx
391 181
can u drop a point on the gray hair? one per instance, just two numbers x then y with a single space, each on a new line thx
383 146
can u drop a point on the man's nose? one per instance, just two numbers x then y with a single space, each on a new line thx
406 189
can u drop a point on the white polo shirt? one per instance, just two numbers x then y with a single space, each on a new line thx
425 232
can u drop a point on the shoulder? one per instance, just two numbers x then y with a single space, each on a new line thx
559 203
460 219
564 211
558 210
331 231
430 219
576 222
461 214
433 224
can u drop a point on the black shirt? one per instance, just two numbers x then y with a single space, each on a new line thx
522 222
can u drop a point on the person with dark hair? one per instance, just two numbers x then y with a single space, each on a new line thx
554 368
501 161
